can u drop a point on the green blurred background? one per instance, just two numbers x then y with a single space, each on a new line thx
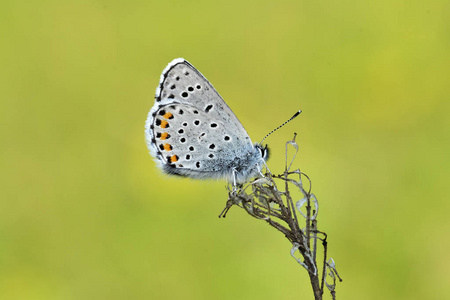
85 214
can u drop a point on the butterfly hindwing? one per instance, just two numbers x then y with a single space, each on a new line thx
190 140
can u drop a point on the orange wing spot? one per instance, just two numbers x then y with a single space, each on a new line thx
167 115
173 158
164 124
167 147
164 135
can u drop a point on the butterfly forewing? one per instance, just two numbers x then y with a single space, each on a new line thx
182 83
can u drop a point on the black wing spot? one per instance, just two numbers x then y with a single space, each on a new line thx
158 122
211 155
190 89
208 108
173 107
177 78
195 112
182 140
198 86
171 96
161 147
184 94
188 157
158 135
185 124
197 164
226 138
181 131
172 86
169 168
186 73
181 112
162 112
212 146
197 122
191 148
213 125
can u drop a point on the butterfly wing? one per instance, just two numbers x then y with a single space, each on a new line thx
191 130
182 83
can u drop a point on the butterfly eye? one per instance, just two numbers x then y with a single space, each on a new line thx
264 151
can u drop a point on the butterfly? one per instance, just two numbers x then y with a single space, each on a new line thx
192 132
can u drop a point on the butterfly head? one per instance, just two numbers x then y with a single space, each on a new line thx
263 150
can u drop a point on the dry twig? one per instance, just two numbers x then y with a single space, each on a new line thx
271 199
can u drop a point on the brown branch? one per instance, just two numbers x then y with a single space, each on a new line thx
267 202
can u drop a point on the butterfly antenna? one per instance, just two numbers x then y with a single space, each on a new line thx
292 118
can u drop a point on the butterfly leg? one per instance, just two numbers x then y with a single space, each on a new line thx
234 180
267 169
259 171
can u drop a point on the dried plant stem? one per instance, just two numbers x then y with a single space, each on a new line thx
263 200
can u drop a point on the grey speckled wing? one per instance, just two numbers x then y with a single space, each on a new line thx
192 131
